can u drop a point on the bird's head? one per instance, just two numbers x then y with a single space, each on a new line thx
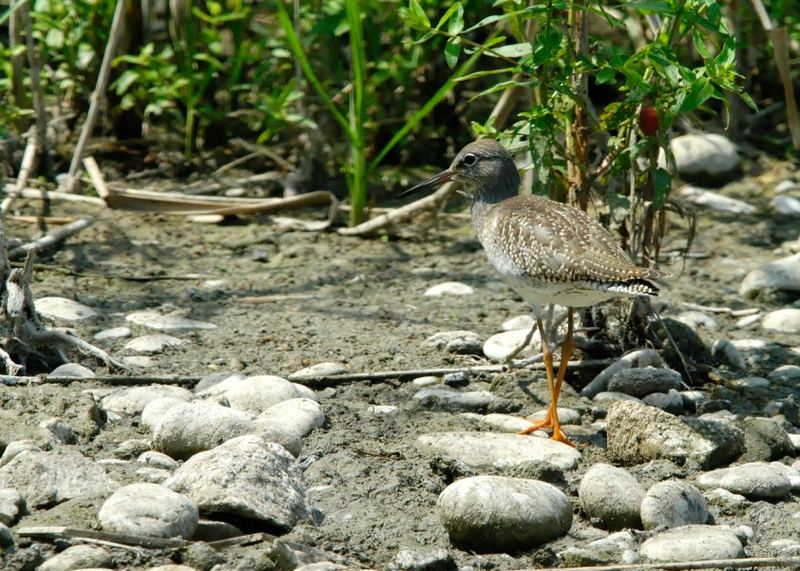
479 164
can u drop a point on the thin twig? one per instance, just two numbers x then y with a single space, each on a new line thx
96 175
61 532
97 95
25 169
36 85
681 565
728 310
51 238
39 194
122 380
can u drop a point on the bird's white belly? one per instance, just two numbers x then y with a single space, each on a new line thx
571 295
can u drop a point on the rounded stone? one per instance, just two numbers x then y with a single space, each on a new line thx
496 513
754 480
72 370
672 504
693 543
612 496
449 288
78 557
782 320
63 309
150 510
639 382
499 346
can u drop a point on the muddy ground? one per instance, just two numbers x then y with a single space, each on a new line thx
359 302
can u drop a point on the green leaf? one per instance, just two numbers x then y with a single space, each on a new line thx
54 38
450 11
657 6
417 18
456 23
125 81
512 50
606 75
451 51
662 185
484 73
699 92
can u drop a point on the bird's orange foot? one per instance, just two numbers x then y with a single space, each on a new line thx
547 422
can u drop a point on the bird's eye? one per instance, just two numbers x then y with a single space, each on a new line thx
470 159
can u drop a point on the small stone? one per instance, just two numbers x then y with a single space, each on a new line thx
256 394
787 372
698 319
614 396
765 439
6 539
62 309
639 382
750 384
748 321
715 201
139 361
150 510
504 422
786 186
780 275
131 401
11 505
58 431
461 342
457 379
500 346
189 428
72 370
382 409
423 559
612 496
496 513
724 499
425 381
726 353
78 557
246 477
299 415
708 158
155 320
782 321
155 409
451 400
672 504
754 480
157 460
639 433
566 416
202 557
693 543
153 343
640 358
525 321
449 288
496 450
671 402
786 205
113 333
325 369
17 447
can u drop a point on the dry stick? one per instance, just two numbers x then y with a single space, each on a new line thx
25 169
36 84
97 95
780 48
15 39
187 380
97 177
681 565
51 238
39 194
61 532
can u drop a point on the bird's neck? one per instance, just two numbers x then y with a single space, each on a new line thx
492 193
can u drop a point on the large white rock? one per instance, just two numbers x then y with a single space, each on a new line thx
155 320
754 480
715 200
709 156
612 496
496 513
780 275
300 415
449 288
693 543
499 346
150 510
78 557
496 450
63 309
246 477
133 400
188 428
782 320
48 478
786 205
256 394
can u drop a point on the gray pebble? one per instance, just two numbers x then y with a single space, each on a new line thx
63 309
153 343
155 320
113 333
780 275
11 504
787 372
132 400
256 394
128 449
728 354
671 402
612 496
423 559
6 539
566 416
673 503
614 396
497 450
57 431
785 320
157 460
639 433
150 510
446 399
754 480
765 439
464 342
643 381
328 368
72 370
78 557
496 513
640 358
16 447
693 543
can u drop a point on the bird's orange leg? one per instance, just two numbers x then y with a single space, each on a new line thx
554 386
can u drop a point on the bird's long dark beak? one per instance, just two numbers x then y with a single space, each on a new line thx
432 182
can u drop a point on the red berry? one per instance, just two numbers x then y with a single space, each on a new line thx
648 120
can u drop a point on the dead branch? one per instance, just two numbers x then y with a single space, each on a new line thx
67 533
52 238
242 540
27 167
98 94
120 380
59 338
39 194
36 85
682 565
